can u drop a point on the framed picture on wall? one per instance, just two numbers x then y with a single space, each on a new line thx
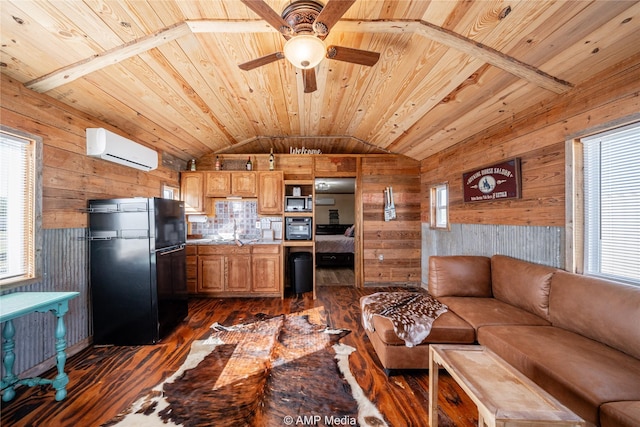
495 182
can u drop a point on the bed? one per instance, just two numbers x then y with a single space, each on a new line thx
333 248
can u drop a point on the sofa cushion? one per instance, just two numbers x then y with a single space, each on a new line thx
605 311
479 312
463 276
447 328
580 372
620 414
522 284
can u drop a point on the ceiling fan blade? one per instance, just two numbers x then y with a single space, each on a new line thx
264 11
331 13
259 62
355 56
309 80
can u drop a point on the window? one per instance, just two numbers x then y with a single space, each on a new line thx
170 192
19 205
439 196
612 204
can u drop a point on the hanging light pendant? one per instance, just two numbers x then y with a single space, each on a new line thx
304 51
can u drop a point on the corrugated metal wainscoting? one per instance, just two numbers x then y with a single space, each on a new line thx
543 245
65 268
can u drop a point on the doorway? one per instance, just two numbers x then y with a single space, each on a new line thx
335 216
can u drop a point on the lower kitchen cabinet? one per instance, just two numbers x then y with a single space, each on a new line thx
192 269
211 273
266 264
228 270
238 273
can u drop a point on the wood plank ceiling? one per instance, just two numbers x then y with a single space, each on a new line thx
447 70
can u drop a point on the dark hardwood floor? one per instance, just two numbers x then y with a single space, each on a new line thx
335 276
106 380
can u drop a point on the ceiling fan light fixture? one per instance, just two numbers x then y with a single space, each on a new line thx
304 51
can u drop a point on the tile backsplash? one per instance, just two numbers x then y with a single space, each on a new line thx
241 214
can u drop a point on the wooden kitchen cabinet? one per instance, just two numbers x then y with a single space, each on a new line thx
192 269
270 199
244 184
266 186
218 184
229 270
266 263
211 274
192 191
224 270
234 183
238 273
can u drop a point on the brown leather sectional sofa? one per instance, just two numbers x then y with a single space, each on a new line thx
577 337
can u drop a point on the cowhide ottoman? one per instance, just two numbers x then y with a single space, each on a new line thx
393 353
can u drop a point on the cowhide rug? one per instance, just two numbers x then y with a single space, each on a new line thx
411 313
286 370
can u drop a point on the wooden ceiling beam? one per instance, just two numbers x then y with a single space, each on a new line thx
463 44
448 38
112 56
229 26
135 47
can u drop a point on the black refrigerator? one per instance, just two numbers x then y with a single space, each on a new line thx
138 269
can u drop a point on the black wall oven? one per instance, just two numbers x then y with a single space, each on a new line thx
298 228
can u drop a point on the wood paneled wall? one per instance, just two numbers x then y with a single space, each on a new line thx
542 171
70 177
399 240
538 137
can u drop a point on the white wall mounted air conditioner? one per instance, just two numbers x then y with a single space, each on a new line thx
107 145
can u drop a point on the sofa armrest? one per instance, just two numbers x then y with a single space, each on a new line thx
460 276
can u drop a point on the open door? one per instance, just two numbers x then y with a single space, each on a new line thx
335 232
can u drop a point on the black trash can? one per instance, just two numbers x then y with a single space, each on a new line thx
301 272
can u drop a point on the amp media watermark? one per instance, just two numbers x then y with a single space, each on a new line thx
317 420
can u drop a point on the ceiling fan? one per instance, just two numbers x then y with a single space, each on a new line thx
305 24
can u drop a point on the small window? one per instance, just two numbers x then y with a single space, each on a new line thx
19 205
612 204
170 192
439 196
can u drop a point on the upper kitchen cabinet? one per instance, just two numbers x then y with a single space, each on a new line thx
270 190
244 184
224 184
218 184
192 190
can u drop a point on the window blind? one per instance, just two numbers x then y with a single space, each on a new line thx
612 204
16 207
441 206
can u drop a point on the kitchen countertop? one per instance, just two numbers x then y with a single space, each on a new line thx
210 241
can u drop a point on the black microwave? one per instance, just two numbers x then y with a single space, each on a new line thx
298 228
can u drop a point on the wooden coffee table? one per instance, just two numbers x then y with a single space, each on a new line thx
503 395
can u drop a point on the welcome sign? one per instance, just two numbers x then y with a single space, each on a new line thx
500 181
304 150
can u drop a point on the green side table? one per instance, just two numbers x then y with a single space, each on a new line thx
19 304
